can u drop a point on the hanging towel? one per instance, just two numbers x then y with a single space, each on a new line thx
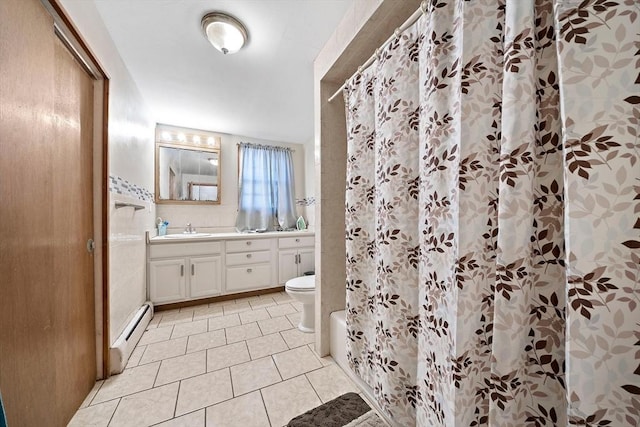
3 419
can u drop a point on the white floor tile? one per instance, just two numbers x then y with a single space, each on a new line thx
94 416
156 335
228 355
281 310
204 390
289 399
282 298
246 411
194 419
294 318
266 346
254 315
331 382
207 340
164 350
173 317
236 308
146 408
254 375
181 367
296 338
242 332
296 362
92 394
262 302
185 329
128 382
201 357
205 312
136 355
276 324
222 322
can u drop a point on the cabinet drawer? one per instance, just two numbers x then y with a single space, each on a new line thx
248 258
295 242
184 249
248 245
249 277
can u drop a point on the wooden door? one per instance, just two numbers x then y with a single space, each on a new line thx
47 302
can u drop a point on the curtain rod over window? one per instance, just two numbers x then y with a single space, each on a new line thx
264 146
413 18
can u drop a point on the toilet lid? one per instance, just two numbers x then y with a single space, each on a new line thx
302 283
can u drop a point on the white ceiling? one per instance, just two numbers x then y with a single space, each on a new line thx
264 91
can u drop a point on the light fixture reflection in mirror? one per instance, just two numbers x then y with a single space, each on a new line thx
187 173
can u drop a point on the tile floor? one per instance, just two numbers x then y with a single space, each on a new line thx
232 363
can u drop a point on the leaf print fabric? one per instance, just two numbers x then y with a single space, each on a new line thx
493 216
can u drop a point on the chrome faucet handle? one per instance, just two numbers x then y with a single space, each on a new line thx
188 228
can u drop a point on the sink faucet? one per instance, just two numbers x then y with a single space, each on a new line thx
189 229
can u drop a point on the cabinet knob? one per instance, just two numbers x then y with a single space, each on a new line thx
298 240
248 243
248 255
249 270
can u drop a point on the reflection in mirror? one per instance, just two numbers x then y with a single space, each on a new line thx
186 173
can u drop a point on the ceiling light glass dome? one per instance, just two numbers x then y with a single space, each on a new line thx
224 32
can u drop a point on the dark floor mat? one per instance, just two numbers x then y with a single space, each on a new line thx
335 413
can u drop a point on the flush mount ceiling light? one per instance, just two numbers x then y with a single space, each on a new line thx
224 32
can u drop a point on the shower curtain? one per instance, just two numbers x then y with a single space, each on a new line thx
492 216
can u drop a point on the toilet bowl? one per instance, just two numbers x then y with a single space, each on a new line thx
303 290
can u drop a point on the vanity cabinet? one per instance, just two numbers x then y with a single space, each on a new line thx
296 256
184 271
167 280
181 269
249 264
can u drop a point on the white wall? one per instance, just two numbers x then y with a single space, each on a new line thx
222 217
131 144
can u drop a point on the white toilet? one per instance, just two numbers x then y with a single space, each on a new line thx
303 290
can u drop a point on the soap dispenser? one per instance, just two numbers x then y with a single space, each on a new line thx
300 224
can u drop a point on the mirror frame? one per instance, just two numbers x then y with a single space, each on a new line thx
215 148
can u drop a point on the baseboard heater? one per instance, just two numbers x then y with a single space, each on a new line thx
121 350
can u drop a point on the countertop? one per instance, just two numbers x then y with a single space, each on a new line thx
206 237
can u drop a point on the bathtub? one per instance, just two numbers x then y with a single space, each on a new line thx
338 348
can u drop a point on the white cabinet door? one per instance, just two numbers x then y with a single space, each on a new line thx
287 267
167 280
205 276
306 261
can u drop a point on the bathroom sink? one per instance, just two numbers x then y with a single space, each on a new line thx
187 235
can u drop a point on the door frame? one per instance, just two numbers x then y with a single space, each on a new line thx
71 37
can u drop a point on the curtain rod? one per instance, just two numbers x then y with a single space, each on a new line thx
413 18
266 146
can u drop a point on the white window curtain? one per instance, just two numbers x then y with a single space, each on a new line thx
266 188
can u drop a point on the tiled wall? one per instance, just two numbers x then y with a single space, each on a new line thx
121 186
127 259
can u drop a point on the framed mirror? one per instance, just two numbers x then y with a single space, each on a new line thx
187 167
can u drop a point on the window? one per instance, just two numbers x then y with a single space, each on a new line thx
266 188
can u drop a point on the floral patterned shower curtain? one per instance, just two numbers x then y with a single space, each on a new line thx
493 216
